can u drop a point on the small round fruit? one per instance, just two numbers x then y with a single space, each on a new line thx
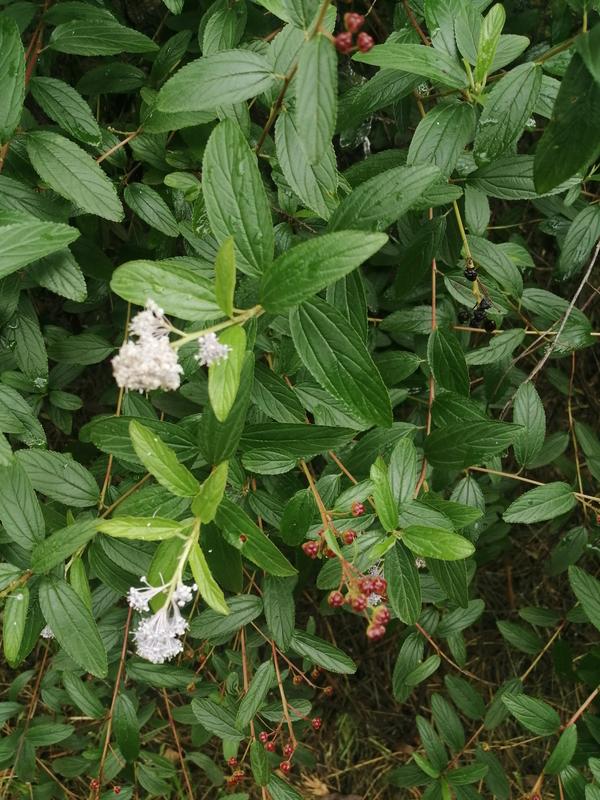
270 746
317 723
358 509
359 603
382 616
297 680
263 737
335 599
328 691
375 632
471 274
288 750
94 784
353 21
364 42
329 553
285 767
366 585
343 42
117 789
379 585
463 315
232 761
349 536
310 549
490 325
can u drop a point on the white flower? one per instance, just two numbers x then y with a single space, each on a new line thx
46 632
376 571
150 363
150 323
423 89
420 563
211 350
156 636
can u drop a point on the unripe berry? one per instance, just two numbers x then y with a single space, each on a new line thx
343 43
232 761
328 691
270 746
382 616
239 774
317 722
353 22
263 736
315 673
358 509
297 680
311 549
375 632
285 767
364 42
349 536
359 603
335 599
288 750
379 585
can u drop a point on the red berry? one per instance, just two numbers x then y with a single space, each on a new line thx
375 632
328 691
94 784
353 22
349 536
382 616
379 585
365 585
239 774
117 789
317 722
285 767
335 599
231 781
288 750
270 746
358 509
263 736
364 42
232 761
297 680
243 538
315 673
311 549
359 603
343 43
329 553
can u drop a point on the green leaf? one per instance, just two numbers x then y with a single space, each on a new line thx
224 376
274 397
213 625
559 155
436 543
385 504
209 589
489 37
61 274
506 111
587 591
13 624
259 763
244 535
87 348
256 694
296 518
447 722
321 653
279 607
542 503
30 349
126 727
561 756
528 411
144 529
61 544
82 696
441 136
225 276
20 512
12 77
463 444
236 201
161 461
417 60
404 588
535 715
216 718
73 625
73 174
403 470
59 477
175 284
337 358
520 637
381 200
465 697
281 790
24 239
89 38
447 361
581 237
316 96
151 208
588 47
221 79
315 184
206 502
493 260
67 108
310 266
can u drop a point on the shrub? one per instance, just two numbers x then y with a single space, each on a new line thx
296 379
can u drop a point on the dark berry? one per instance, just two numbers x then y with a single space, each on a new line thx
470 274
285 767
353 22
484 304
343 43
375 632
349 536
317 722
489 325
311 549
232 761
263 736
359 603
382 616
335 599
288 750
463 315
270 746
358 509
364 42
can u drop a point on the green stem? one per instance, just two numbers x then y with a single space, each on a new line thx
240 319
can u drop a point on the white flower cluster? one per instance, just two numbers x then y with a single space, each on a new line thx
376 571
150 362
157 636
211 350
420 563
46 632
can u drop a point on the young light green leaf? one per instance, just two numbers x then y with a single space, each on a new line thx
209 589
310 266
543 502
403 470
316 96
385 504
12 77
161 461
489 37
436 543
224 376
13 624
73 174
206 502
225 276
417 60
144 529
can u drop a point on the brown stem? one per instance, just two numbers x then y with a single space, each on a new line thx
284 702
186 777
414 23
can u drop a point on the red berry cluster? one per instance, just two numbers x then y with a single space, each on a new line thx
344 41
357 597
236 776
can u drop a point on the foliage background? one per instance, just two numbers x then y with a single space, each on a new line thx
323 207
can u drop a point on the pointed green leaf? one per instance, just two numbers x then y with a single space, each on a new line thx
161 461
